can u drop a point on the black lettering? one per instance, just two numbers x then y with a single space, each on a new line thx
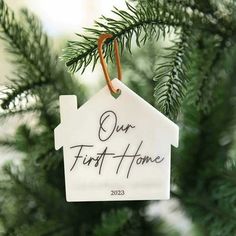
78 155
102 130
110 118
136 155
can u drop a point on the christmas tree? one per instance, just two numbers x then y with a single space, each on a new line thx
191 81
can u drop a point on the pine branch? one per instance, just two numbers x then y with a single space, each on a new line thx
18 112
209 14
171 78
23 43
208 194
36 66
29 185
24 188
44 228
144 23
21 90
7 143
112 222
207 73
16 176
214 209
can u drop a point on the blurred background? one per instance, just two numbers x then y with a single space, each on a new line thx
61 20
175 217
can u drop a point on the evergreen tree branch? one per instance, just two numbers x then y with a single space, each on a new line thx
30 185
112 222
36 65
20 90
7 143
18 112
144 23
21 182
208 74
147 21
171 78
31 53
23 43
43 228
208 194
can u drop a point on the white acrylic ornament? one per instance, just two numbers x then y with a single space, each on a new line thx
115 148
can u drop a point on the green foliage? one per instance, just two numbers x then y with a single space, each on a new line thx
192 81
124 222
148 20
171 78
138 70
145 22
208 192
32 55
112 222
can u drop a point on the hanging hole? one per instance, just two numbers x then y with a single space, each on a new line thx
116 94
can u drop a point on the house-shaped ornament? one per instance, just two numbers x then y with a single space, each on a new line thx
115 148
